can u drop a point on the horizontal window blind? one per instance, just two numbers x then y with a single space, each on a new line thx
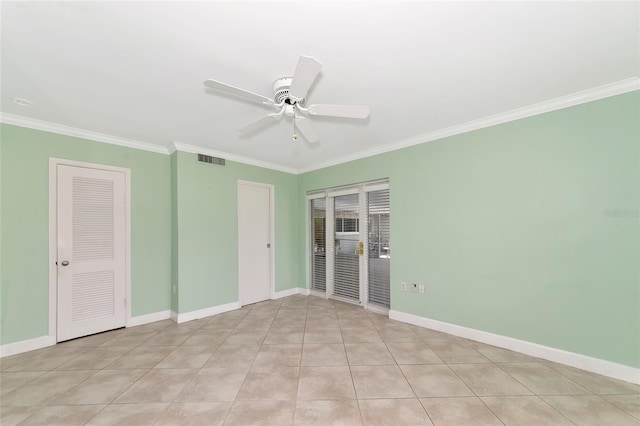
378 238
346 259
318 250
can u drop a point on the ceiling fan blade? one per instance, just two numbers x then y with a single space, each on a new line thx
347 111
306 71
307 130
259 123
232 90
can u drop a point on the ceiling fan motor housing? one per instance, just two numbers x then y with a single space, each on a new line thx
281 91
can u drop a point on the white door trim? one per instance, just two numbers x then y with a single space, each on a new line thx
53 236
272 229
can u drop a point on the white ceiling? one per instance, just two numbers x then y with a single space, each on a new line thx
134 70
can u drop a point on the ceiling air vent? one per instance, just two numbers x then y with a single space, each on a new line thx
211 160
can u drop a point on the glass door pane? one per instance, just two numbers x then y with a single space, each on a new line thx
347 238
318 244
379 239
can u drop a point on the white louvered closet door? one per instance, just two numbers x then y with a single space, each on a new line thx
91 251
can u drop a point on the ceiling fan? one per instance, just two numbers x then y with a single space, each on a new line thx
289 98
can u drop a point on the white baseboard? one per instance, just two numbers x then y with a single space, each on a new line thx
285 293
583 362
173 316
26 345
290 292
44 341
146 319
203 313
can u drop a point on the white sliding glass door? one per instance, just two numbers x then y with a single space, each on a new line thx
318 261
379 248
346 251
350 252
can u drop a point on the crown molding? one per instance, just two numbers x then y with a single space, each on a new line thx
577 98
60 129
194 149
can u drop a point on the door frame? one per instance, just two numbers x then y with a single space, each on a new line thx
53 236
272 234
362 189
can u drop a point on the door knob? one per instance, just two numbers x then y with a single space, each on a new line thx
64 262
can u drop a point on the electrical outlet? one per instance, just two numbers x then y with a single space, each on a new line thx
414 288
403 286
421 288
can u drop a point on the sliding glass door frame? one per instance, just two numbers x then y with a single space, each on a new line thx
330 241
333 238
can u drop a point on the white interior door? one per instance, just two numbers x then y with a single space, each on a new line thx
91 233
254 242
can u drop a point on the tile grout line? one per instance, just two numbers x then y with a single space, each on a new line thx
304 332
479 397
412 389
534 393
462 381
501 366
405 376
353 383
226 417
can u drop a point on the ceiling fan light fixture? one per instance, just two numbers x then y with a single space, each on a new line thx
289 110
289 95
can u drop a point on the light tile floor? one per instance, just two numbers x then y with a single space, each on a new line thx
305 361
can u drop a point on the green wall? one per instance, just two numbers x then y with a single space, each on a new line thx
527 229
175 267
24 279
512 228
184 227
207 246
